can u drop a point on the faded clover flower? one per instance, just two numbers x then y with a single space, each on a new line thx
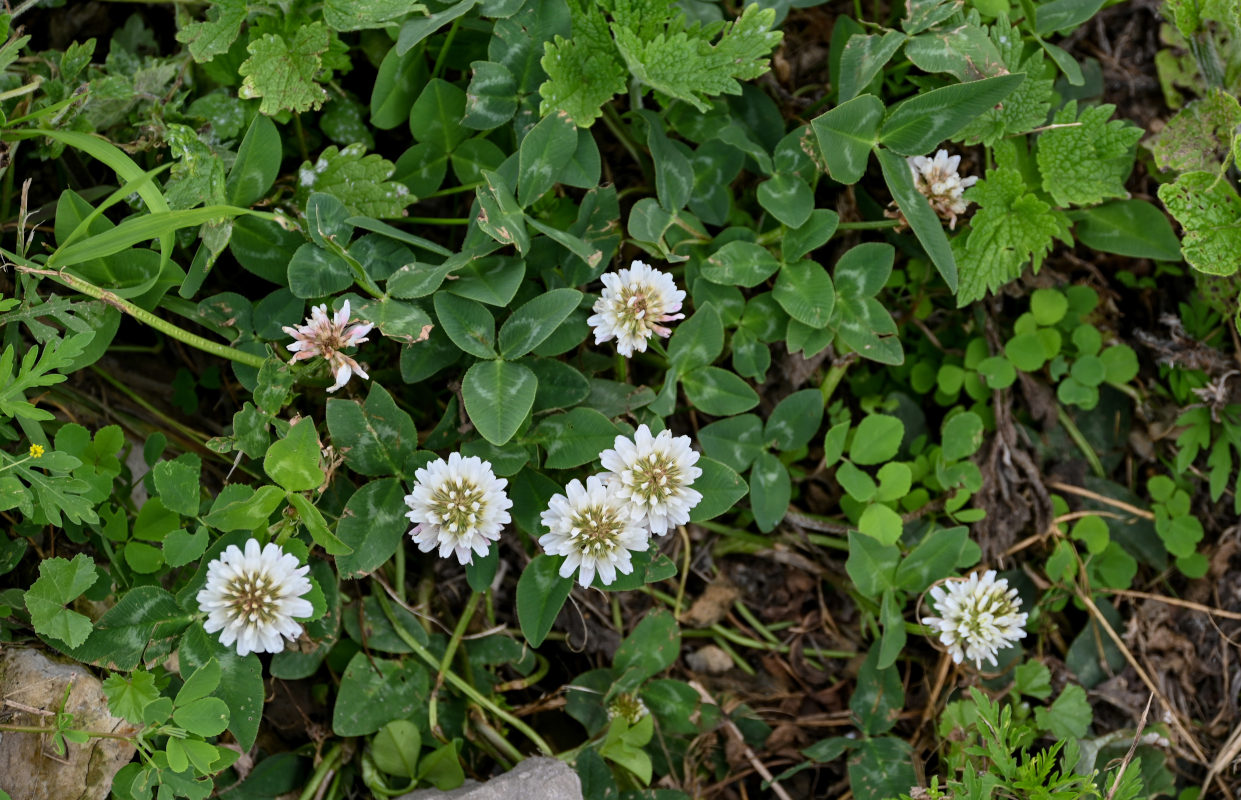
253 596
632 305
937 179
459 506
629 706
977 617
653 475
327 337
592 526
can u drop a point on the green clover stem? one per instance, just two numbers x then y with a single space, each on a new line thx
144 316
457 681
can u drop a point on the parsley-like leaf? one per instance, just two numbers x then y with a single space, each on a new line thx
283 73
1088 162
61 582
216 34
127 697
358 180
1209 210
1011 228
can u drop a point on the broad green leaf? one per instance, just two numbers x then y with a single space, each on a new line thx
883 766
1200 136
491 98
396 748
876 702
247 512
877 439
918 213
735 441
1133 228
794 420
293 462
501 216
937 556
177 483
257 164
357 15
312 519
541 593
698 341
435 118
419 27
788 198
1064 15
718 392
373 523
862 59
805 291
468 323
535 320
892 640
377 437
207 716
376 691
740 263
720 487
397 84
846 135
881 523
962 436
1069 716
314 272
770 491
241 681
144 616
651 648
811 235
498 396
542 156
914 126
575 438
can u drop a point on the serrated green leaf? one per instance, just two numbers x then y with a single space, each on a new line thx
357 180
1200 136
216 34
583 71
1012 228
1086 163
357 15
129 695
282 71
60 582
1209 210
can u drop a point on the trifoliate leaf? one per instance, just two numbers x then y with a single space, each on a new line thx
583 72
127 697
1200 135
1027 106
283 72
685 65
60 582
1012 228
1209 210
1087 163
216 34
359 181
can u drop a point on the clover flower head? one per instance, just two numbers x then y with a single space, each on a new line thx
937 179
629 706
459 506
978 617
653 475
632 305
326 337
253 596
592 526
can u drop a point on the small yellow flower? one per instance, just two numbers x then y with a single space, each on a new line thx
36 451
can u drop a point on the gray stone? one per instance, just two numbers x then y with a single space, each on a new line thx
30 768
532 779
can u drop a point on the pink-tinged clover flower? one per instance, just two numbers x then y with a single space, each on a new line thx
632 305
326 337
937 179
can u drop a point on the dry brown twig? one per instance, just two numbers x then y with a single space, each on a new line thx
759 767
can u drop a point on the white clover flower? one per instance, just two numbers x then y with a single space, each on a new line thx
632 304
459 506
977 617
326 337
937 179
594 528
254 596
653 474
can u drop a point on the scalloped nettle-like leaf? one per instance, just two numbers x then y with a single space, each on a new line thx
1011 229
358 180
1086 163
1209 210
1027 107
282 71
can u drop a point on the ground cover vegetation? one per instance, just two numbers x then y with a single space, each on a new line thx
800 399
